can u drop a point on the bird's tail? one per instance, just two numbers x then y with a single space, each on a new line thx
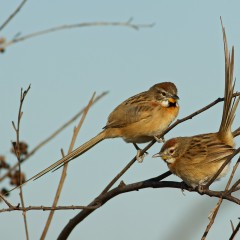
230 103
75 153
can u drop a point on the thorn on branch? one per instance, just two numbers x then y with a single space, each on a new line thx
14 126
121 184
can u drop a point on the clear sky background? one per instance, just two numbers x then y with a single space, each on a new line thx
64 69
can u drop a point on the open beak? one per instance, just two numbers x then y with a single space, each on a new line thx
173 99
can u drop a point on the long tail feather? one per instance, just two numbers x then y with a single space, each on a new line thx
74 154
230 104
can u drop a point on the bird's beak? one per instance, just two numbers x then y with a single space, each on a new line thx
161 155
157 155
173 99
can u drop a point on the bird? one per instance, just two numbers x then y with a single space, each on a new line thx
139 119
196 159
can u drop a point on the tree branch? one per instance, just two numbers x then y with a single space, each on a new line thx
13 15
128 24
235 232
16 148
122 188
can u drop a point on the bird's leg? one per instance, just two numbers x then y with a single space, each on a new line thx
139 157
202 185
159 140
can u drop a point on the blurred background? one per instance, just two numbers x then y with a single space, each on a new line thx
64 69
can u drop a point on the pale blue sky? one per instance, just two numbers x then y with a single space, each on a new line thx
65 68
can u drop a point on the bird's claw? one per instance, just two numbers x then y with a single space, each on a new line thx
159 140
201 188
140 157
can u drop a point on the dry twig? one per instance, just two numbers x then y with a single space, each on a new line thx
12 15
44 208
18 153
128 24
235 232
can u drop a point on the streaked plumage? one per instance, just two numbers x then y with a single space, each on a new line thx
196 159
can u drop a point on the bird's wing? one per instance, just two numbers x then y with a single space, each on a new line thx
132 110
208 150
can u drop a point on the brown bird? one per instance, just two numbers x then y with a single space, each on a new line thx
139 119
197 159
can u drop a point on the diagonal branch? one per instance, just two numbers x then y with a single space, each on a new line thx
218 205
12 15
235 232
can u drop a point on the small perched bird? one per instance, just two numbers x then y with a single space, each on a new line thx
197 159
139 119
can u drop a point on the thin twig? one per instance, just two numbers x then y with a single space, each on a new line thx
232 226
64 171
59 130
6 201
18 154
13 15
213 216
217 207
46 208
77 25
235 232
235 185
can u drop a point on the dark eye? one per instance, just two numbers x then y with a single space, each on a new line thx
171 151
164 94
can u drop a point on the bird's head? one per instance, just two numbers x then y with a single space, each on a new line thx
169 151
166 93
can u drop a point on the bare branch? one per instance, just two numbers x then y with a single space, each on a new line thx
235 232
45 208
123 188
128 24
232 226
18 154
13 15
213 216
6 201
217 207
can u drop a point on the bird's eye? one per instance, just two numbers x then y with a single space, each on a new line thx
171 151
164 94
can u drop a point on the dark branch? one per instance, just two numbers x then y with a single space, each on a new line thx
12 15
